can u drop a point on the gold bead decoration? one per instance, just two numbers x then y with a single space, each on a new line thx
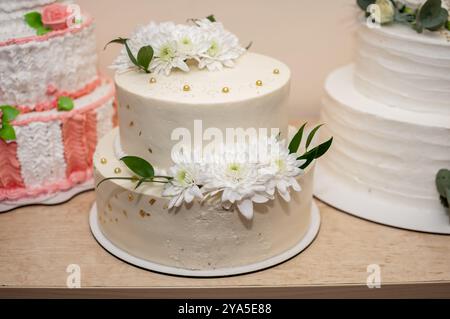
259 83
226 90
186 88
152 201
103 160
276 71
130 197
117 170
152 80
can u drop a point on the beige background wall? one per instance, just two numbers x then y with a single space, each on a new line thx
311 36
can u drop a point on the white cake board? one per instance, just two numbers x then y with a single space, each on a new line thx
352 198
48 199
119 253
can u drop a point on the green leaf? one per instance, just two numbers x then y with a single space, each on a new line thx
118 40
42 30
363 4
211 18
130 54
34 19
404 17
141 181
309 157
296 140
431 16
315 153
139 166
9 113
145 56
311 135
448 25
443 182
65 103
7 132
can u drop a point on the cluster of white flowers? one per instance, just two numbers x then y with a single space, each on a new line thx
206 42
235 180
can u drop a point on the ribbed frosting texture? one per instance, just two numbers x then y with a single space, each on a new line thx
401 68
34 72
394 152
12 23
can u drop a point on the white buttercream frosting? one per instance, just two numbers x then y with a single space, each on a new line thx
12 12
399 67
394 151
67 62
40 151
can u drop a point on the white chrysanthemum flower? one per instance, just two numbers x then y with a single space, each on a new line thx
223 49
237 182
208 43
166 56
284 169
191 42
184 185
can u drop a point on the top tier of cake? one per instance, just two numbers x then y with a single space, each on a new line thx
397 66
37 69
250 95
12 13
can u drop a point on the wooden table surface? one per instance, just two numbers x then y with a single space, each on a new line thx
37 244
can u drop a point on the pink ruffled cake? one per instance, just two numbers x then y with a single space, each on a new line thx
54 104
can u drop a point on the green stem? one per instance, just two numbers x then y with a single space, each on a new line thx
146 180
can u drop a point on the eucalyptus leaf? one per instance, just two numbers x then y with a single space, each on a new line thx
139 166
7 132
404 17
9 113
443 182
145 56
311 135
65 103
431 16
363 4
34 19
296 140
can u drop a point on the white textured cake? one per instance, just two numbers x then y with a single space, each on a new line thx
204 217
389 113
54 105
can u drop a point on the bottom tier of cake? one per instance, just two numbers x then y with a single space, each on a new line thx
199 236
387 154
53 150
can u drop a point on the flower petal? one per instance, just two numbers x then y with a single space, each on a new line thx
246 208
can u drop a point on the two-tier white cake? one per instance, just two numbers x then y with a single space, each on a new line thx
202 236
390 115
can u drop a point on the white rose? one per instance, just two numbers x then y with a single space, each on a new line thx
383 11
